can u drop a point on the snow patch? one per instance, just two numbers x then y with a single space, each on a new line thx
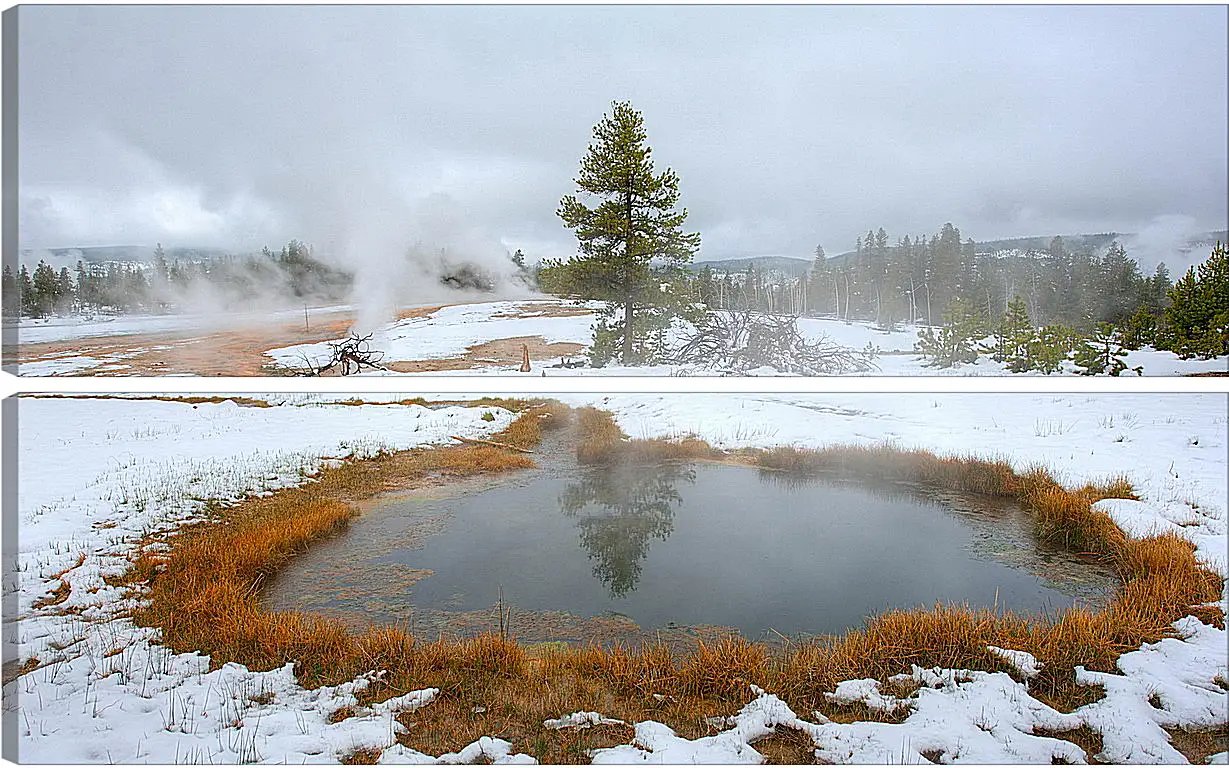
581 720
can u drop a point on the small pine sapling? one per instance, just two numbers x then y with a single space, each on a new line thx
1102 353
1050 348
1011 333
956 340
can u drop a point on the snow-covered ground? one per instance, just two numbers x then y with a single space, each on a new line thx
96 474
66 327
450 331
61 365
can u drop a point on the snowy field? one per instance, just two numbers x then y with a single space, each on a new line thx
450 331
65 328
97 474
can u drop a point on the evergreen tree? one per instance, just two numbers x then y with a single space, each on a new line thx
25 289
968 288
1119 287
45 285
1050 348
819 284
1155 294
1140 330
160 282
947 257
11 293
64 293
84 287
1060 292
1102 353
1012 334
706 289
161 272
1197 318
135 287
524 274
955 341
634 225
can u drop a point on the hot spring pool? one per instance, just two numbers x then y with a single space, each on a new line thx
679 545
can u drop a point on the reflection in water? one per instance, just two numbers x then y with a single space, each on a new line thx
621 509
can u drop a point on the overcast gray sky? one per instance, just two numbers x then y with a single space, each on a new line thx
369 128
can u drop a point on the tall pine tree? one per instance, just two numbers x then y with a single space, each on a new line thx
632 233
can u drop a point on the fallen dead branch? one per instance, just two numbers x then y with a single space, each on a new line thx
352 353
740 341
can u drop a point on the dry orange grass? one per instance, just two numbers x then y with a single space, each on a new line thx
63 589
883 462
204 597
527 430
1161 580
599 437
247 402
724 670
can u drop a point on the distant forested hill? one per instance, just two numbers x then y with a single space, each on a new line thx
794 267
123 253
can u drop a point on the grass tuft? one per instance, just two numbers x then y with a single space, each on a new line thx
362 756
725 669
599 437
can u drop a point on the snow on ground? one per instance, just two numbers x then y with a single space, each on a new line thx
65 327
96 474
61 365
448 332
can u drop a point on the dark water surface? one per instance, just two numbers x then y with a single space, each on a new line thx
678 545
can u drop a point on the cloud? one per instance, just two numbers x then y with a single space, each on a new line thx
788 125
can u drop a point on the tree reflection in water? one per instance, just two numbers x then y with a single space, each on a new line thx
620 509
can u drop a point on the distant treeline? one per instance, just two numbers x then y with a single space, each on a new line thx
164 284
290 275
916 279
942 280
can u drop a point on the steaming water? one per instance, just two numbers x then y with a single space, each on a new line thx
686 545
